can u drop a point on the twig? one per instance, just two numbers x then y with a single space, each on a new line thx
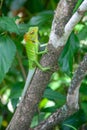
1 3
21 66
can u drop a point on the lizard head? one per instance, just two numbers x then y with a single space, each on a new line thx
31 35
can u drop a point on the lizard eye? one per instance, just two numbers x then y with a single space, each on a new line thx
32 32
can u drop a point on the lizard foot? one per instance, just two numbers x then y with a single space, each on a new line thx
45 68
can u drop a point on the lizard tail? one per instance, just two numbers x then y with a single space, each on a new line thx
27 83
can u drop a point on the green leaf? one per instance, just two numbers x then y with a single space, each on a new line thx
83 89
7 53
41 19
77 5
16 90
49 109
1 118
34 121
8 24
23 28
66 58
70 126
82 35
53 95
16 93
76 120
84 107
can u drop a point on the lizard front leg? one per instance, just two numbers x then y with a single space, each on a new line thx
41 67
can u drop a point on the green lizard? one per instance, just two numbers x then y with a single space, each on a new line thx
32 49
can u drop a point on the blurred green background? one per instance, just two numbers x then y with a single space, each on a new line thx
14 63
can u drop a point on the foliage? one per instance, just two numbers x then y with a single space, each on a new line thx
74 121
16 16
7 53
66 58
8 24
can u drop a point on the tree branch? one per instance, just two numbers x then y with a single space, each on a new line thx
73 93
76 18
59 38
72 100
26 109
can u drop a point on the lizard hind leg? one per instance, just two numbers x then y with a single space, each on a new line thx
41 67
